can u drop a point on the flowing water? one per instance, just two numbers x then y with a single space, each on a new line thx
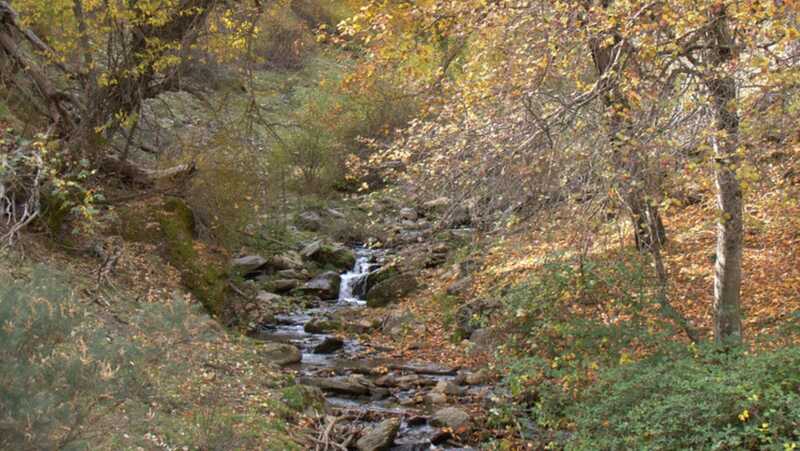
355 358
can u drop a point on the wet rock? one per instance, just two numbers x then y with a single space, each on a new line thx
380 437
329 345
453 418
247 264
325 286
441 437
391 290
309 220
347 385
387 380
281 354
321 326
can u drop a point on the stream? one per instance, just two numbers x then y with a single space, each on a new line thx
358 379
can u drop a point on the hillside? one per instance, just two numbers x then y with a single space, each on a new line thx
357 225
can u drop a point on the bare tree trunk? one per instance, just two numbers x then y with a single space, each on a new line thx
728 271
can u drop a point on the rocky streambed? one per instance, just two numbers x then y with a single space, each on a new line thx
373 401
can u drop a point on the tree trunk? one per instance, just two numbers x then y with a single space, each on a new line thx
728 271
627 160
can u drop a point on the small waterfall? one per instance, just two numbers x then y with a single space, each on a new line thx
354 282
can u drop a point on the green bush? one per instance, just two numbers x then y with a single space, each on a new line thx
709 400
55 376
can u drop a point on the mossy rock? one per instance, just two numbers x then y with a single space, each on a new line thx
303 398
384 273
391 290
207 282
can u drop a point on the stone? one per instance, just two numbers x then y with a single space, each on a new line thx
281 353
467 317
309 220
321 326
453 418
335 213
398 323
265 297
391 290
408 214
284 285
325 286
434 397
303 398
448 388
329 345
479 377
437 204
247 264
328 255
299 274
380 437
287 260
346 385
361 326
481 340
460 287
383 273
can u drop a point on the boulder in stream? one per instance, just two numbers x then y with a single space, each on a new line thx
329 345
325 286
321 326
380 437
281 353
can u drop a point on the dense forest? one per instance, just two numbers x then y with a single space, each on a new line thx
399 224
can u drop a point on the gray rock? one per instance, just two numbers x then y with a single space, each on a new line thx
437 204
434 397
267 298
321 326
330 255
479 377
284 285
390 290
482 340
247 264
309 220
325 286
329 345
460 287
299 274
349 385
380 437
453 418
408 214
281 354
303 398
398 323
448 388
288 260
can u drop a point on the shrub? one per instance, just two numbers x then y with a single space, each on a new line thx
55 376
709 400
